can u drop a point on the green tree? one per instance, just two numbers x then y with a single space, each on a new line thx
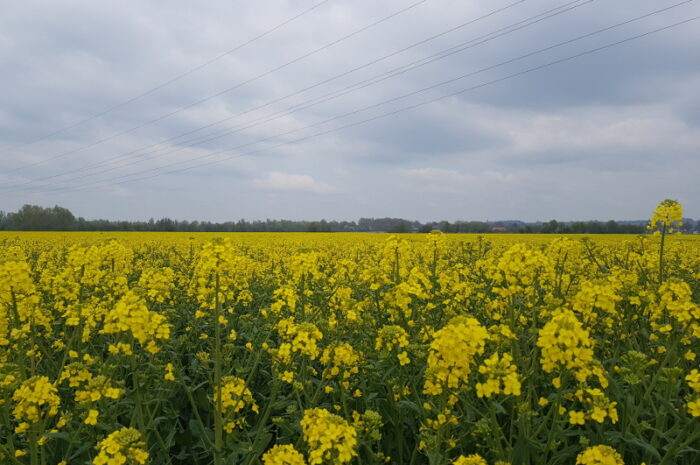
36 218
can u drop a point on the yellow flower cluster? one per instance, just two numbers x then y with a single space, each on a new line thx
518 270
452 353
368 425
122 447
302 338
668 216
472 459
446 417
131 315
599 455
158 283
390 337
35 399
169 376
501 376
693 379
120 348
598 407
330 438
565 344
676 302
343 361
19 301
235 396
596 300
91 418
98 388
75 373
17 283
283 455
221 267
284 297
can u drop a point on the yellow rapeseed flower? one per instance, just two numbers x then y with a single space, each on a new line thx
330 438
283 455
599 455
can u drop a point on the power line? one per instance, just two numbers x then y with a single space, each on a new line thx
427 102
169 81
400 110
332 95
264 105
227 90
449 81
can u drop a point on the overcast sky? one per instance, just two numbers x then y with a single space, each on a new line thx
339 114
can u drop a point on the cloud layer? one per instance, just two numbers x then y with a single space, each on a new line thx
276 181
305 123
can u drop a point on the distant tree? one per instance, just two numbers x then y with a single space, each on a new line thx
425 228
400 227
242 225
36 218
578 227
165 224
32 217
552 227
365 224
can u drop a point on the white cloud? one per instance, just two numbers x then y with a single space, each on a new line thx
441 180
595 128
279 181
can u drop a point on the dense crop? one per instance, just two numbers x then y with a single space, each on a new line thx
334 349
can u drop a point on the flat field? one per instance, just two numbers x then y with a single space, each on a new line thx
247 348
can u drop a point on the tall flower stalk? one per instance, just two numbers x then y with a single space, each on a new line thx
667 218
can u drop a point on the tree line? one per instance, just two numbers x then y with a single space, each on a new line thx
36 218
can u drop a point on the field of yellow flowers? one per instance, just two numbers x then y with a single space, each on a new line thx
171 348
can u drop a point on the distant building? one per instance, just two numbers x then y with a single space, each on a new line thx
498 229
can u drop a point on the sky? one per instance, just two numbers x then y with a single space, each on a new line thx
337 109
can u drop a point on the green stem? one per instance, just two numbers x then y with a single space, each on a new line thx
263 419
661 255
671 450
8 455
139 401
497 440
7 424
33 451
18 324
218 420
196 414
556 423
655 379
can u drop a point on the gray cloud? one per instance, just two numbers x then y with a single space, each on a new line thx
605 136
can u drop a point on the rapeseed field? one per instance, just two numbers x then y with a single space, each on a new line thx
179 348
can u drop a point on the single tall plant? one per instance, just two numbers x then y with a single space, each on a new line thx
667 218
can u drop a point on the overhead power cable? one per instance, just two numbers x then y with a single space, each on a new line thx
168 82
223 92
394 112
212 154
323 98
417 105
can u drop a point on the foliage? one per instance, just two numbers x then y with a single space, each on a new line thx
327 349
